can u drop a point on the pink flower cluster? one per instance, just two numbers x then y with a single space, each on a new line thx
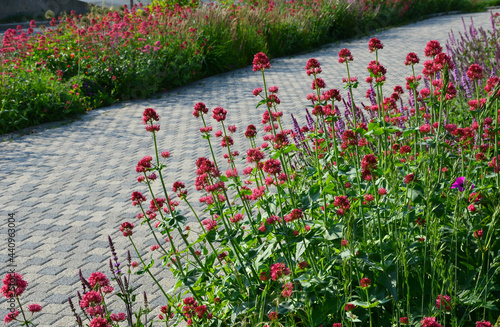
13 285
278 270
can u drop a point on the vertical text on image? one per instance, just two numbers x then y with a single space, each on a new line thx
11 241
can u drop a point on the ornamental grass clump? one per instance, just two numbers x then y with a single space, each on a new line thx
376 215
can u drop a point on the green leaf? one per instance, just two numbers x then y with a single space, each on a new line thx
192 277
300 249
261 102
333 233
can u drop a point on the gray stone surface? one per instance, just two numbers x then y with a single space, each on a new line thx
69 186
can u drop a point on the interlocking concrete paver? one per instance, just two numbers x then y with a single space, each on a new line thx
69 186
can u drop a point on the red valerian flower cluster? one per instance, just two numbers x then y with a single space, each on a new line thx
137 198
148 118
260 62
278 270
313 67
342 202
429 322
219 114
375 44
411 59
13 285
345 56
365 282
126 229
294 215
475 72
443 302
199 108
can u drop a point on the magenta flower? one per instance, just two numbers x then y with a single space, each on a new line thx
260 62
34 307
459 183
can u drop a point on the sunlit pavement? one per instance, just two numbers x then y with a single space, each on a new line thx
69 185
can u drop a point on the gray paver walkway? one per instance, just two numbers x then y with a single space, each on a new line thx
69 186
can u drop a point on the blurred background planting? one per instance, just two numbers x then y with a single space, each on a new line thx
79 62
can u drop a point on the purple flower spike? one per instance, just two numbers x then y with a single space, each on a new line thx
459 183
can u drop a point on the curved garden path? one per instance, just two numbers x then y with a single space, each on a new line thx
69 185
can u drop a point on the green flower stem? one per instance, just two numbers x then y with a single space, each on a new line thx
247 210
237 250
156 281
22 311
204 231
179 229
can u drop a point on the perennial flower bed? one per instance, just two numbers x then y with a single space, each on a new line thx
79 63
378 215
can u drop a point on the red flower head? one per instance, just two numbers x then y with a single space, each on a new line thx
199 108
313 67
90 299
137 198
432 48
257 91
483 324
411 59
403 320
149 116
342 202
375 44
251 131
491 83
365 282
34 308
272 167
99 322
13 285
11 316
478 234
409 178
126 229
495 164
273 89
254 155
143 164
332 94
287 290
475 72
345 56
98 278
429 322
278 270
441 60
319 83
273 315
349 307
369 162
443 302
219 114
294 215
424 129
260 62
